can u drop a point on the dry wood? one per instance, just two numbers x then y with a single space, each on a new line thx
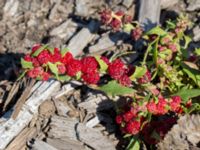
168 3
95 103
22 99
11 128
40 145
149 13
21 139
64 30
63 128
11 94
107 42
94 138
83 37
65 145
62 108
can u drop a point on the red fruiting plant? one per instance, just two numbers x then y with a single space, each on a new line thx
91 78
136 33
116 69
106 16
133 127
73 67
89 64
44 57
146 78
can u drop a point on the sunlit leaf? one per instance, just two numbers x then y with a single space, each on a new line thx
103 66
26 64
113 88
38 51
139 72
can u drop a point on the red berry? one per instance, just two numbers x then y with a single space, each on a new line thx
173 47
127 19
127 116
44 57
119 13
27 57
161 106
67 58
73 67
175 103
35 72
137 33
35 62
106 16
56 57
133 127
45 76
151 107
118 119
116 69
91 78
116 24
125 80
89 64
35 47
146 78
61 68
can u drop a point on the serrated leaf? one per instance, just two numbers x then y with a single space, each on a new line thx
186 94
38 51
64 51
102 64
53 68
26 64
64 78
134 144
113 88
157 31
139 72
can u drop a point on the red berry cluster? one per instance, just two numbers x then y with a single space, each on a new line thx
65 65
115 20
87 68
131 120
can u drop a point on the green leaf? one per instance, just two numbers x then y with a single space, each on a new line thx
170 24
26 64
186 94
139 72
38 51
192 73
102 64
187 41
64 78
134 144
113 88
51 50
128 27
197 51
157 31
64 51
22 75
53 68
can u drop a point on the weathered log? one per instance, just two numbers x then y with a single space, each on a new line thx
82 38
94 138
40 145
21 139
62 128
107 42
12 127
66 144
149 13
